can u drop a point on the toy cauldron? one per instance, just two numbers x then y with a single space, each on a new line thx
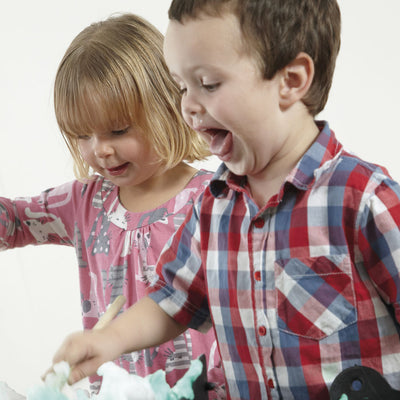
362 383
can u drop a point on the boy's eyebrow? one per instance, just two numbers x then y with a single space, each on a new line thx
174 75
196 69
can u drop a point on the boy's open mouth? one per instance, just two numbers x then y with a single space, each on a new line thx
221 143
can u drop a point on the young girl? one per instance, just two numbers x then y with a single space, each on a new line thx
118 111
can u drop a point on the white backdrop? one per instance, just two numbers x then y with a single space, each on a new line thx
39 296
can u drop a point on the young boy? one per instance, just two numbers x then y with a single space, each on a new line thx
293 252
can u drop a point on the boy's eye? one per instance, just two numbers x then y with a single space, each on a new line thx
210 87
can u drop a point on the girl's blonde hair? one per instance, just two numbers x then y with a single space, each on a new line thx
113 74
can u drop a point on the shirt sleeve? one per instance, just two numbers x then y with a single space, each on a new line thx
180 288
44 219
379 241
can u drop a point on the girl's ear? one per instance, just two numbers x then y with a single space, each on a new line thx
296 79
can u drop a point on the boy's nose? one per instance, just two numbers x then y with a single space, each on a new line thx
191 105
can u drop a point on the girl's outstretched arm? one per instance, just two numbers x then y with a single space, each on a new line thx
143 325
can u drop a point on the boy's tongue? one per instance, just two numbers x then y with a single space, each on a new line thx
221 145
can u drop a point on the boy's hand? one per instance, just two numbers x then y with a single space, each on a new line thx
79 349
86 351
141 326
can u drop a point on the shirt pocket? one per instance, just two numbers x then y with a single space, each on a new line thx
314 296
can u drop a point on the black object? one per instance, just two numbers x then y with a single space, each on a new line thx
362 383
200 385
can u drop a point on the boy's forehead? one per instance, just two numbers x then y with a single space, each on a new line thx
201 34
201 20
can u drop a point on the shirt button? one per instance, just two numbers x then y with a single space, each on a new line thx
259 223
262 330
257 276
271 384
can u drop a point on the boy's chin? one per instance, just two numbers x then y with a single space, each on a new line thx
236 168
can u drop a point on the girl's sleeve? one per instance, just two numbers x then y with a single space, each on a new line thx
44 219
379 242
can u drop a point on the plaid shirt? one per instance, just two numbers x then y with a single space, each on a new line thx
299 290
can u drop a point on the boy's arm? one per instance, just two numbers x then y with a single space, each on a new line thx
379 242
143 325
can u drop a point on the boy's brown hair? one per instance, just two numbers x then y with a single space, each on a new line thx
276 31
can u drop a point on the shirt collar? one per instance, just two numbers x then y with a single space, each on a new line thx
324 148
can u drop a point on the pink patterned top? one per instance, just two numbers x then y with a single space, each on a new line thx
117 251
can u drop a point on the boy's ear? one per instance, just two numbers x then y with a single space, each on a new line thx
296 79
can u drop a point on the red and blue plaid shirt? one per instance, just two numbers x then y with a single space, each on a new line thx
299 290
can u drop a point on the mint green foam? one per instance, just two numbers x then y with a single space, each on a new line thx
119 384
51 388
46 393
182 389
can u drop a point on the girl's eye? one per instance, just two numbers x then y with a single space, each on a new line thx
84 137
120 132
211 87
182 91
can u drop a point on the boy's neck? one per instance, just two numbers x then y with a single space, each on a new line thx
268 182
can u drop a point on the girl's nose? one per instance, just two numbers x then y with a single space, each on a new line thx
102 148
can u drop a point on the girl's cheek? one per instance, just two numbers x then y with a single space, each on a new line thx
85 151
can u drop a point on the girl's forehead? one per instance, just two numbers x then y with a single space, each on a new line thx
97 113
95 120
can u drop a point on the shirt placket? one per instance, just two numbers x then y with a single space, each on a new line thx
260 236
